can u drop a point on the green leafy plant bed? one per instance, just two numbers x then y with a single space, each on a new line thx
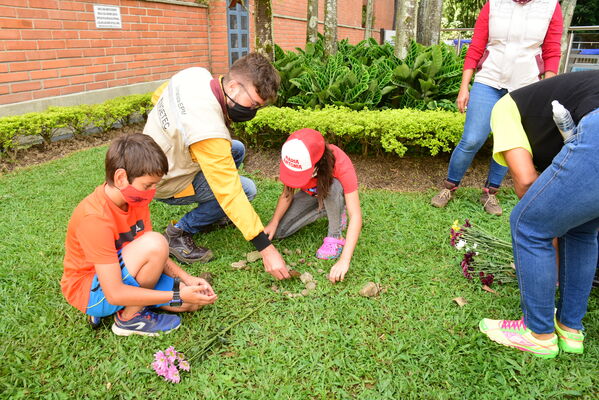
395 131
369 75
76 120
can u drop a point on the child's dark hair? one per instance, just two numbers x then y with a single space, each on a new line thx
324 175
138 155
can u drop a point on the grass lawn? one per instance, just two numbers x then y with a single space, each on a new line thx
413 341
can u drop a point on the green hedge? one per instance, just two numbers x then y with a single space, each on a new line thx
77 118
395 131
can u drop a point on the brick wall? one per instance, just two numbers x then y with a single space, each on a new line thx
290 25
52 47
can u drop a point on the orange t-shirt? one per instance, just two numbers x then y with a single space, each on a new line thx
97 230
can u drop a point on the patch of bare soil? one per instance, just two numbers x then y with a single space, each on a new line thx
407 174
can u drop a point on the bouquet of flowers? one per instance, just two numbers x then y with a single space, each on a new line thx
485 256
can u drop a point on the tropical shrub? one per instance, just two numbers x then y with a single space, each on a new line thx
368 75
78 119
395 131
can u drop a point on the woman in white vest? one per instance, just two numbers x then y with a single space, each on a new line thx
515 43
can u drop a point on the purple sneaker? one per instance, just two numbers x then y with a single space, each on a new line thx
331 248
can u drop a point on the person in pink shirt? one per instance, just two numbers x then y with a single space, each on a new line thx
327 183
515 43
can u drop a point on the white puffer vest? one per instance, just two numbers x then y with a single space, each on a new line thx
513 56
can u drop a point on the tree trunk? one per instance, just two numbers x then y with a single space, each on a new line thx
429 22
330 27
263 21
368 25
405 22
567 11
312 29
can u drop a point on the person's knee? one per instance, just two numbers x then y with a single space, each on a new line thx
238 151
156 245
249 187
471 144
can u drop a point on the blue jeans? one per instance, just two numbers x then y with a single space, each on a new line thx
208 210
559 205
476 132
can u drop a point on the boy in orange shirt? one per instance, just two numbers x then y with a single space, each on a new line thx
114 263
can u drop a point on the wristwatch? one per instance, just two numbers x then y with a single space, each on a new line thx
176 301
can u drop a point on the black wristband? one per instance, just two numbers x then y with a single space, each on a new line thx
176 301
261 241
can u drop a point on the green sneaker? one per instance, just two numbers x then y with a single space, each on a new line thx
568 341
515 334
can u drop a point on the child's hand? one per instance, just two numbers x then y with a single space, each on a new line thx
270 229
195 281
338 271
197 294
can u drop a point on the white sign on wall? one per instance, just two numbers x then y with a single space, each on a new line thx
107 16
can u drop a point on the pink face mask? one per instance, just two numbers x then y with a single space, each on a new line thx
138 198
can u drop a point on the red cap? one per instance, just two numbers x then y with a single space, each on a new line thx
302 150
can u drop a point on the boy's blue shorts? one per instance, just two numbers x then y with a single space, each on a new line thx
98 306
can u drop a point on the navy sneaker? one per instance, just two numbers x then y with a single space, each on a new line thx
94 322
146 323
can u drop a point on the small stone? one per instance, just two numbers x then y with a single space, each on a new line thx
241 264
291 295
253 256
311 285
306 277
294 274
275 288
207 276
293 264
305 292
287 252
302 260
320 271
286 293
371 289
310 264
298 251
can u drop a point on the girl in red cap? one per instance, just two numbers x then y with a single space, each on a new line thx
327 183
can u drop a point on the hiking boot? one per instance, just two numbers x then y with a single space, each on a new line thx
146 323
515 334
569 342
441 199
489 201
183 248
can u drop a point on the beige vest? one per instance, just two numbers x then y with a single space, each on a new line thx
187 112
516 32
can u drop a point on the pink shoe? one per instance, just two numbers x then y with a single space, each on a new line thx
331 248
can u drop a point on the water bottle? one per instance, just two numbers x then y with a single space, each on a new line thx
563 120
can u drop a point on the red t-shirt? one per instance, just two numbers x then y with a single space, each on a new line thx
344 172
97 230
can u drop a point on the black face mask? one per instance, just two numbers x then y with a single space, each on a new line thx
239 113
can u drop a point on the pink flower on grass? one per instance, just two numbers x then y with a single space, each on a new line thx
172 374
171 354
165 364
